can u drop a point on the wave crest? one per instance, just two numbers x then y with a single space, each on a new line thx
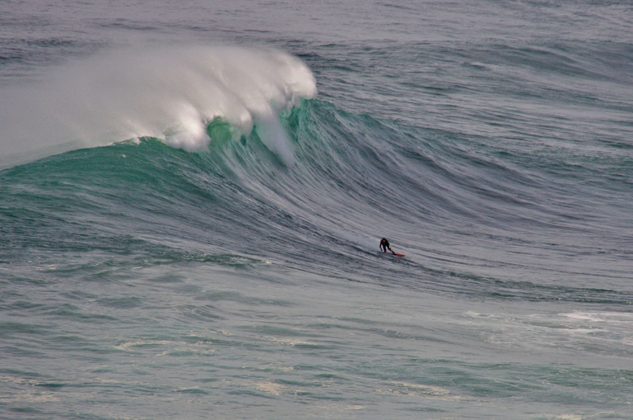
171 93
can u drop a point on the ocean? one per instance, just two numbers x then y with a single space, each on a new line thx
192 195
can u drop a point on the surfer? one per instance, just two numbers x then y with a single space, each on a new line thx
384 246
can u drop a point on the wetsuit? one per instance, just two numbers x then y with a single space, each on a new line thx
384 245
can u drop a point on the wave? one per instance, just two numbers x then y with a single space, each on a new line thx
470 225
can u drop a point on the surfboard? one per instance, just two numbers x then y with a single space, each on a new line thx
389 254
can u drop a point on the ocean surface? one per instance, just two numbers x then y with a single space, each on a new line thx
192 196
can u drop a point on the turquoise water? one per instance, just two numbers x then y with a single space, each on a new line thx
192 196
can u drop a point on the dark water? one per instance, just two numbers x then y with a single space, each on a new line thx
192 195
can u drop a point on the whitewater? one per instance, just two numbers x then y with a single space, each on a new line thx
192 197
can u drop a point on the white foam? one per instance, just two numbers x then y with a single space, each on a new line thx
627 341
419 390
607 317
271 388
133 345
170 93
589 331
292 342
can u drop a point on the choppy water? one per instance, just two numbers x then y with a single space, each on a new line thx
192 195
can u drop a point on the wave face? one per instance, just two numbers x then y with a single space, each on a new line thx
344 187
191 229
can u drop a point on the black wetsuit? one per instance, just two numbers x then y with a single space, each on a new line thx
384 245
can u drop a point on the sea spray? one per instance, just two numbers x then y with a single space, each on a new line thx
171 93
